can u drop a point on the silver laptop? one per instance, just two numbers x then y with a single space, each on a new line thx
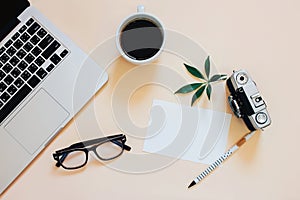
45 79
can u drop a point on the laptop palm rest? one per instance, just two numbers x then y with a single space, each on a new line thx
37 121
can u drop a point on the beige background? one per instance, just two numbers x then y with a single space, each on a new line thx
261 36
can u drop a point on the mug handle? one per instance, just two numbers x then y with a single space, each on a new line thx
140 8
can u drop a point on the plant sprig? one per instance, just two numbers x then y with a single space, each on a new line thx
205 83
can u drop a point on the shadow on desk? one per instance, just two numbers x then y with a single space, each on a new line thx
92 163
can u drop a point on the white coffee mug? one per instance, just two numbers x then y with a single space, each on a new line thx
141 16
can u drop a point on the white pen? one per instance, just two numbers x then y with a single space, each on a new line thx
222 159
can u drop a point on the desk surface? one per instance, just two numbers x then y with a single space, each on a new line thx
261 36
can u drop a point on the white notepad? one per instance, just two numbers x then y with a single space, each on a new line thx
188 133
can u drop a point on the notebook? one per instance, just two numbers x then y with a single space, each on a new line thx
45 79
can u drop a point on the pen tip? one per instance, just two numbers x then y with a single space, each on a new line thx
192 184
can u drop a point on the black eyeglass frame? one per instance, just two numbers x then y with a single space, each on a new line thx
60 155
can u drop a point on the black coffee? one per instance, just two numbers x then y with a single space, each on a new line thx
141 39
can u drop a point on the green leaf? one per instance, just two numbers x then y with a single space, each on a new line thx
208 91
195 72
189 88
224 77
198 94
207 67
218 77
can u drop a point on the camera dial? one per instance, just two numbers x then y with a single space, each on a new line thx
261 118
242 78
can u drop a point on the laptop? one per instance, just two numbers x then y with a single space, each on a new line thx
45 79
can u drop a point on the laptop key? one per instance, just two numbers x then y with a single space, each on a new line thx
64 53
1 104
29 22
15 72
14 102
8 79
41 33
55 59
36 51
39 61
11 51
14 61
4 97
7 68
12 90
18 44
4 58
35 39
8 43
16 36
19 82
32 68
50 67
2 75
41 73
21 54
25 37
22 29
25 75
28 46
22 65
34 81
33 28
2 49
29 58
50 49
46 41
2 86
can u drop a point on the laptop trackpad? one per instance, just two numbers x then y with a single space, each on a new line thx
36 121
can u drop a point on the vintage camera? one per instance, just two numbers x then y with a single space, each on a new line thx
246 102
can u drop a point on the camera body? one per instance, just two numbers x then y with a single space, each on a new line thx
246 102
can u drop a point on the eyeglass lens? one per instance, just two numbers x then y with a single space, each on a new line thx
106 151
75 159
110 149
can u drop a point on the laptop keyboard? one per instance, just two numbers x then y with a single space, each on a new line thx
25 61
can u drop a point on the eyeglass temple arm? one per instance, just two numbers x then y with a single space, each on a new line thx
126 147
113 139
91 142
59 160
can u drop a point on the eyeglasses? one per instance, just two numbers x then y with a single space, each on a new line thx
76 155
